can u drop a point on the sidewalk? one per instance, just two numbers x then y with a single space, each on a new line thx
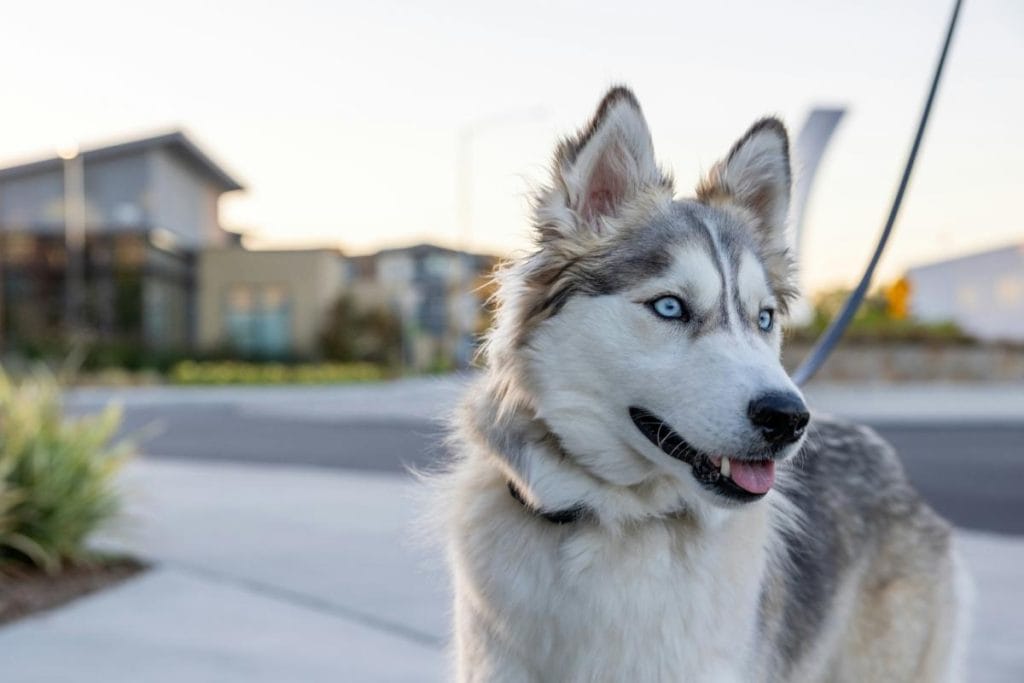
260 574
267 573
919 402
428 398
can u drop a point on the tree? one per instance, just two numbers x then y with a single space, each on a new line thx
352 333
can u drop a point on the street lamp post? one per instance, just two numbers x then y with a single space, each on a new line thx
468 134
464 161
74 238
3 251
810 146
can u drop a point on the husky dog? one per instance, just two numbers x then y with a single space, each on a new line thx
637 492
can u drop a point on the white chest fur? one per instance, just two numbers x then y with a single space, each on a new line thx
664 600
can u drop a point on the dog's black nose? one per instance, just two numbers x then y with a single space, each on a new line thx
781 417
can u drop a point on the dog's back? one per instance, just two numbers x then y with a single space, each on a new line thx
869 585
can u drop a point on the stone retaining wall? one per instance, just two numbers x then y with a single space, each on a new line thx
915 363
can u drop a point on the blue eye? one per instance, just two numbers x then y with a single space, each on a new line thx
670 307
766 319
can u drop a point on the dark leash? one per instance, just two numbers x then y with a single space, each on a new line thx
830 337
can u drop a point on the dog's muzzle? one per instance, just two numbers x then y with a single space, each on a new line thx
739 479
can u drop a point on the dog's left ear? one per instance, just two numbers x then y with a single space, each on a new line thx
598 171
755 177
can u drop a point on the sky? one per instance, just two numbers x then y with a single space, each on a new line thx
343 119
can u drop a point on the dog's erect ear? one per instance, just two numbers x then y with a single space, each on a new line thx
607 164
755 177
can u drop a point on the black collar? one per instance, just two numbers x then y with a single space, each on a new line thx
567 516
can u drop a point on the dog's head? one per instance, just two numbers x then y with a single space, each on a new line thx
648 328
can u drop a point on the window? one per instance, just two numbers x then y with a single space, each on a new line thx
1010 291
258 320
440 266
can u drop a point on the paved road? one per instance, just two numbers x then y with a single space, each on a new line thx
227 433
971 472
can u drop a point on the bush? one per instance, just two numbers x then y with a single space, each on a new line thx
56 475
874 323
92 355
361 334
234 372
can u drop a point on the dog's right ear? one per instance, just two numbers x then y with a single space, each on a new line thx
598 171
755 177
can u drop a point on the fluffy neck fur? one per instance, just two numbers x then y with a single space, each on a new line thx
523 449
530 593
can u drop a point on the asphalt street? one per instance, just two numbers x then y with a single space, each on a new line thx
971 472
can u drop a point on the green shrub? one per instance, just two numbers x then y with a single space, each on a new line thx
235 372
57 475
94 355
874 324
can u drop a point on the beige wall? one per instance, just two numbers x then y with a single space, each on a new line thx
312 280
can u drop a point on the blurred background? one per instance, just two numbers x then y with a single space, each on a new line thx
251 246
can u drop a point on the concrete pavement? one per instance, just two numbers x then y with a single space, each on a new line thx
426 398
261 574
170 626
273 573
967 464
932 402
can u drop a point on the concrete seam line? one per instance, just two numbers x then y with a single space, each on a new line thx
297 598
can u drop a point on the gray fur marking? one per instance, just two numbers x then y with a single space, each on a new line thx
711 247
642 252
849 485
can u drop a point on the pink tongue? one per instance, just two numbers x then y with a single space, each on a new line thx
755 477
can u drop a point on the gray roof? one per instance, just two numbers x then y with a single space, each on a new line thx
176 140
1009 251
424 248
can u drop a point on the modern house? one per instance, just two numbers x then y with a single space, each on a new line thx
266 304
151 267
983 293
147 207
436 293
275 304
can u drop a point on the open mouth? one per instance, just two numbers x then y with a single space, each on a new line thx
743 479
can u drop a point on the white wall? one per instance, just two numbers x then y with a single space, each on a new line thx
983 293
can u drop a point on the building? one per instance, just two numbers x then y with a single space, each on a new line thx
147 208
983 293
266 304
435 292
156 271
275 304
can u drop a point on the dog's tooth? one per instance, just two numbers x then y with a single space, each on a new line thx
725 467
